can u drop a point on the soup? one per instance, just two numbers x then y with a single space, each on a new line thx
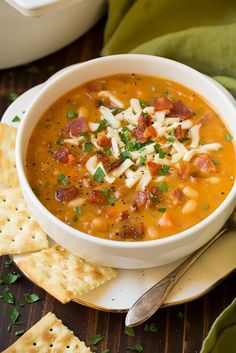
131 158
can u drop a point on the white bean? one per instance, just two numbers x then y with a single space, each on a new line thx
189 207
190 192
213 180
76 202
98 223
152 232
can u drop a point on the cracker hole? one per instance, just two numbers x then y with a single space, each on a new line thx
67 346
51 329
13 240
21 228
4 200
29 217
33 237
34 344
51 345
16 209
8 220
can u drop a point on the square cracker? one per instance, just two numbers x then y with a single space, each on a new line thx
64 275
19 232
8 174
48 335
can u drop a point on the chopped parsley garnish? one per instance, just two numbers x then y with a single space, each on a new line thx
143 103
63 179
78 210
116 111
87 147
163 186
112 200
184 139
59 142
11 96
102 125
107 151
106 192
136 348
19 332
125 155
161 209
152 327
216 161
13 314
71 114
158 150
75 219
16 119
10 278
31 298
84 134
129 331
206 207
163 170
7 296
95 339
131 146
125 135
99 175
142 160
48 126
229 137
171 139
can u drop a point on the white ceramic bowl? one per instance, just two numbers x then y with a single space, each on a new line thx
130 255
31 29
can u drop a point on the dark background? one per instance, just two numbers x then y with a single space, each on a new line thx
180 329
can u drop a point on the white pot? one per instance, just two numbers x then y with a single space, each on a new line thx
31 29
117 253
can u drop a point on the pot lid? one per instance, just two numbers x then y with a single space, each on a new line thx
39 7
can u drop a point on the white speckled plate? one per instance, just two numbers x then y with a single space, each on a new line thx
119 294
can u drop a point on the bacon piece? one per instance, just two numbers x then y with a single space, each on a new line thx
62 155
115 165
123 215
177 196
95 86
64 132
180 110
162 103
179 133
184 170
66 193
78 125
102 157
165 221
132 231
140 198
138 133
153 168
150 131
103 140
96 196
145 120
71 159
204 164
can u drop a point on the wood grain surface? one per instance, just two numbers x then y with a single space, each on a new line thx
180 329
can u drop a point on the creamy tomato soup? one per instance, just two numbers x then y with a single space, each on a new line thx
131 158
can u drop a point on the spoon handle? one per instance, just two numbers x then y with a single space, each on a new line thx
152 299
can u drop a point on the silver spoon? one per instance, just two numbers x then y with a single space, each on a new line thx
153 298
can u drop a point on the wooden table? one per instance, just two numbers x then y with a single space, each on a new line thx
179 329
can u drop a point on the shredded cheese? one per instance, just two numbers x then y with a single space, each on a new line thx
122 168
113 99
110 118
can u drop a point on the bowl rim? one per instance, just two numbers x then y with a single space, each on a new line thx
91 238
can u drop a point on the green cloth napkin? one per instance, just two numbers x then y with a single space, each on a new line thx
201 34
222 336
